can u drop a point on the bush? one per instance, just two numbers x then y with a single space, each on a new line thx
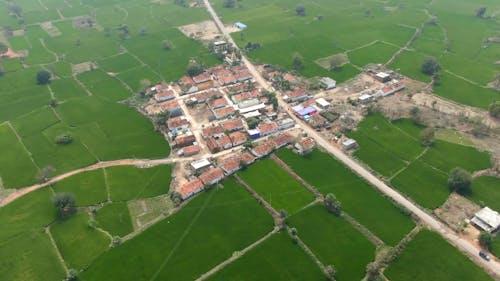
43 77
460 180
64 139
494 109
300 11
430 66
485 239
427 136
65 204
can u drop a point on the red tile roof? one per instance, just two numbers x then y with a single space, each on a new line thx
212 145
188 189
201 78
231 164
225 142
283 139
232 125
191 150
238 138
212 176
223 112
177 122
307 143
247 158
212 131
297 93
267 128
217 103
185 140
264 148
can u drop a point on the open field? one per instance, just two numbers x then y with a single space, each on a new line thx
210 228
74 233
429 257
358 198
337 243
486 191
115 218
419 172
276 186
89 188
276 259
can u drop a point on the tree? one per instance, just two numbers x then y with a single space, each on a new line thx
335 63
64 203
494 109
283 214
415 115
229 4
43 77
252 123
3 48
162 118
16 10
430 66
330 270
72 275
297 62
293 231
176 197
485 239
194 69
44 174
427 136
167 45
300 11
64 139
332 204
460 180
480 12
116 241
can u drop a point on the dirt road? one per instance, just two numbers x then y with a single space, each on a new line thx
462 244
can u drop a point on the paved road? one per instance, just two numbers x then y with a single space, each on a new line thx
427 219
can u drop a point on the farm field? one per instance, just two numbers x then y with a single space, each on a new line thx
372 32
429 257
417 171
278 258
348 250
115 218
211 227
486 191
276 186
357 197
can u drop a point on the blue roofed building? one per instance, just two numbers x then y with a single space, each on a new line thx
240 25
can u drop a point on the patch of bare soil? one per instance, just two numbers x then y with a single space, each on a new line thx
391 8
11 54
83 67
19 32
51 30
457 211
204 31
232 28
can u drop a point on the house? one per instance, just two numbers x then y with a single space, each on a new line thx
204 77
178 123
252 114
239 69
158 88
240 25
212 131
247 158
252 108
187 82
230 165
383 77
308 111
243 76
268 128
298 94
213 145
223 112
205 96
217 103
282 140
305 145
200 164
233 125
185 140
239 98
263 149
365 98
292 79
228 80
164 96
191 150
190 188
327 83
220 46
487 220
254 133
322 103
237 138
349 144
172 107
225 142
318 121
212 176
286 123
391 89
248 103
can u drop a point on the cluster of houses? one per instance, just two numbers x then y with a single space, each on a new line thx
389 87
213 173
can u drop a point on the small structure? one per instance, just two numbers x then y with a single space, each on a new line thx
487 219
365 98
241 25
230 165
263 149
296 95
238 138
223 112
252 108
328 83
286 123
164 96
322 103
252 114
233 125
349 144
383 77
268 128
178 123
212 131
191 150
282 140
185 140
200 164
217 103
254 133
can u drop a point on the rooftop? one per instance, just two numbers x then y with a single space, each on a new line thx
212 176
202 163
190 188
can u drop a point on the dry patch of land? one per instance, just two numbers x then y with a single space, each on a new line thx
456 211
204 31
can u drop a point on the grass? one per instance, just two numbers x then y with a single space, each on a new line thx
358 198
67 88
453 137
334 241
379 52
410 64
495 247
276 259
16 166
74 233
89 188
486 191
276 186
211 227
128 183
30 256
115 218
430 257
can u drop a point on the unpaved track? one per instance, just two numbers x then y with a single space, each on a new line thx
492 267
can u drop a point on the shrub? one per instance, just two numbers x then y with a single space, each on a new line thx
64 139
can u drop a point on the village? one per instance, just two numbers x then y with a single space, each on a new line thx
224 121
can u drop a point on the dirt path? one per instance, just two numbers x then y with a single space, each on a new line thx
493 267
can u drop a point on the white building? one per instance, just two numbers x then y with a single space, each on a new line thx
200 164
349 144
322 103
328 83
487 220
